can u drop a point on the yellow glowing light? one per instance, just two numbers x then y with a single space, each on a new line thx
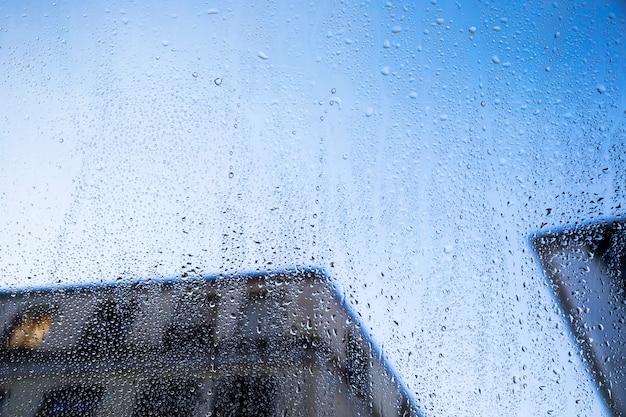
30 330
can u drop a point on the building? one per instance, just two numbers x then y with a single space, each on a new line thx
263 344
586 266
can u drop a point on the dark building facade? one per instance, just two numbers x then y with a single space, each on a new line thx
280 344
586 266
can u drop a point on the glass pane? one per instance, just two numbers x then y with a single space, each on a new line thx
159 162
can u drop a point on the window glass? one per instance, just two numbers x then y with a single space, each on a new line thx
246 396
72 401
408 153
167 398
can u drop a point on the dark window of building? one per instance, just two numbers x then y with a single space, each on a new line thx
187 338
357 365
260 323
108 328
404 409
4 397
246 396
191 330
73 401
168 398
255 318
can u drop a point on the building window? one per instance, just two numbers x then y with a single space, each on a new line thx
357 366
72 401
29 328
108 328
192 326
261 323
246 396
4 397
168 398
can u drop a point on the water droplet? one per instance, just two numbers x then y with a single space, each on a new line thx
472 30
386 44
440 21
165 42
385 71
61 140
231 174
218 81
335 100
322 118
483 104
369 112
495 59
497 29
413 95
195 74
333 91
447 249
262 55
601 88
443 117
212 11
396 29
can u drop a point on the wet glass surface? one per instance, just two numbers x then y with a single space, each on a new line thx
407 149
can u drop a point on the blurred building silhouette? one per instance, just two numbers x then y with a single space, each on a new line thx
259 345
586 266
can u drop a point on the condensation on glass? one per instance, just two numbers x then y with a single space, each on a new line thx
264 345
409 148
